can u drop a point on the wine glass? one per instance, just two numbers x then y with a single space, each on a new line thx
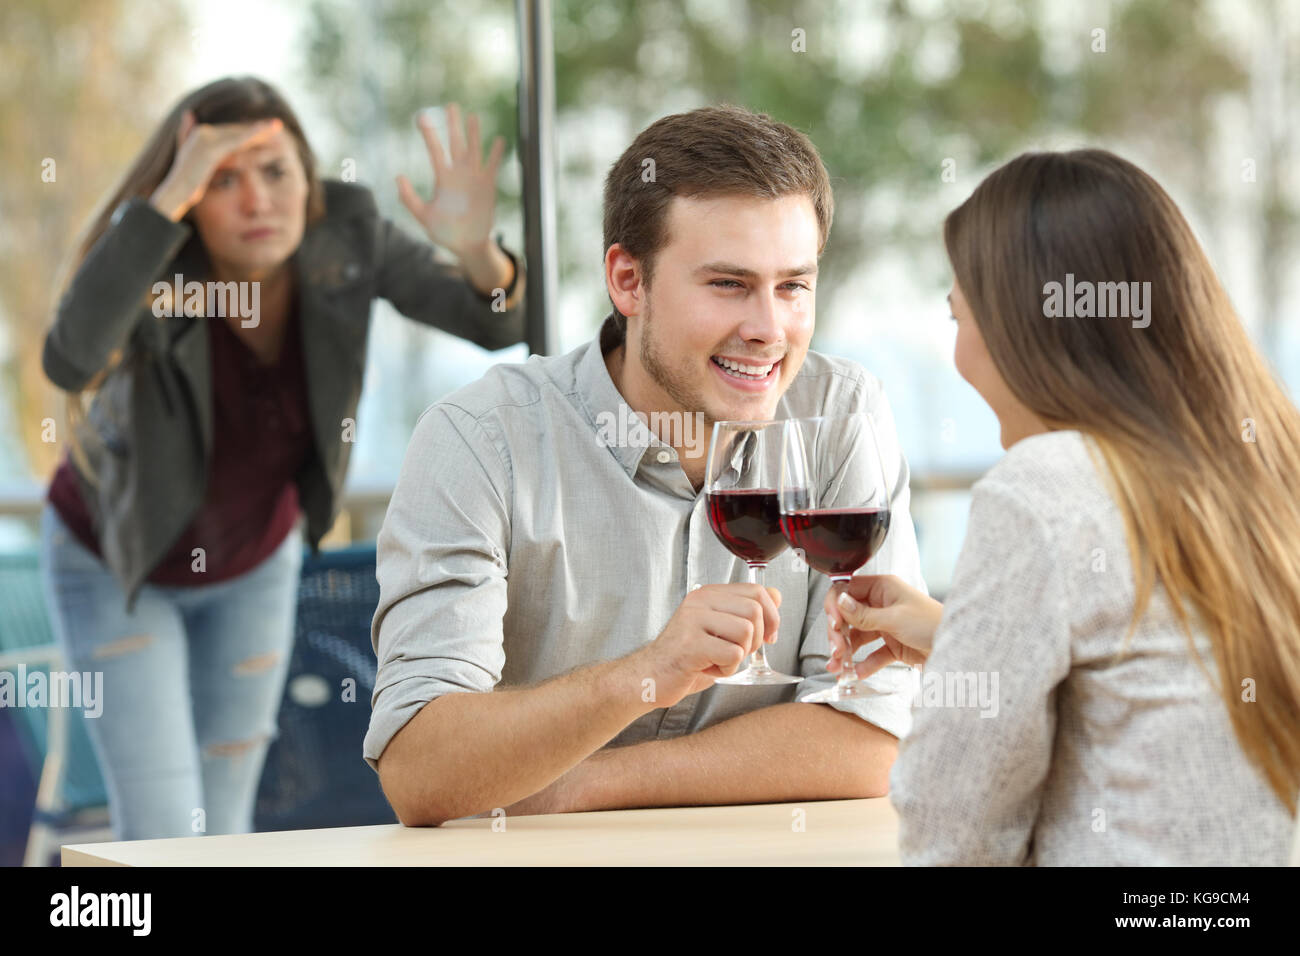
834 509
745 513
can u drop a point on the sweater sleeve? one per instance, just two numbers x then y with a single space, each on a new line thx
969 777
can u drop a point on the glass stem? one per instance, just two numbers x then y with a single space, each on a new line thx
847 674
757 574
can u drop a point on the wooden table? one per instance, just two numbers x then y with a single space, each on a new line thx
810 833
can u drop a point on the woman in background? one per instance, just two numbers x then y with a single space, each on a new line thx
1131 570
170 548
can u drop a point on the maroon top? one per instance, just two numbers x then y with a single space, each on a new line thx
261 437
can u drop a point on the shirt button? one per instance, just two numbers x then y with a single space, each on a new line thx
664 457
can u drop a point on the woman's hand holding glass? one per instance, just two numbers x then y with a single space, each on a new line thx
885 607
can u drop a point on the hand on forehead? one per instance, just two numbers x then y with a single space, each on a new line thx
275 147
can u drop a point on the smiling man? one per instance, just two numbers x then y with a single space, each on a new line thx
577 579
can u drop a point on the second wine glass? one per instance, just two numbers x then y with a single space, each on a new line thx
834 510
745 513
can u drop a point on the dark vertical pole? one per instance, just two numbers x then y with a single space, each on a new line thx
536 98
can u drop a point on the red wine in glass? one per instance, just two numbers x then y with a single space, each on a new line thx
834 509
748 522
836 541
745 513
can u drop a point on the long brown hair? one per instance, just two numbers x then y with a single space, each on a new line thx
1199 440
240 99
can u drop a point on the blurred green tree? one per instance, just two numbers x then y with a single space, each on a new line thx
887 94
81 88
893 93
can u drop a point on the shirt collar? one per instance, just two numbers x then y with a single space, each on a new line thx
616 425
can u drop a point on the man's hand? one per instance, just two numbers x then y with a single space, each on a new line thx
712 632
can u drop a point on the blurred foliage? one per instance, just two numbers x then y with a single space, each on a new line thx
887 90
82 84
883 117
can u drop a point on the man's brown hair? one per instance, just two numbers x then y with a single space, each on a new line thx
711 151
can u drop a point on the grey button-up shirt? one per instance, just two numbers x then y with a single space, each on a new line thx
538 526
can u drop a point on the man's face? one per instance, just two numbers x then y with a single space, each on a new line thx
734 285
253 214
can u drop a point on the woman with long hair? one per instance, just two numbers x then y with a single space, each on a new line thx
1115 675
218 308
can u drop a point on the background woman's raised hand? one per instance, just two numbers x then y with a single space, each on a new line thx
884 606
200 149
459 215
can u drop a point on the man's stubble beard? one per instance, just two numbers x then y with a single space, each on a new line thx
677 386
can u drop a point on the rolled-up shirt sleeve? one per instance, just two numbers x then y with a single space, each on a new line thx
441 566
892 709
969 778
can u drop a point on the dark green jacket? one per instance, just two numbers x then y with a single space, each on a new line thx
148 434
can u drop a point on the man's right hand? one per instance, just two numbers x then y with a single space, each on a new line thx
709 636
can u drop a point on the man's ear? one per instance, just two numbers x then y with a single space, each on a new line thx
623 280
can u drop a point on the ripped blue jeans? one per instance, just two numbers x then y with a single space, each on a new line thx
192 683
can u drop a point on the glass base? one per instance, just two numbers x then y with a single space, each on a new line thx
757 674
853 690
